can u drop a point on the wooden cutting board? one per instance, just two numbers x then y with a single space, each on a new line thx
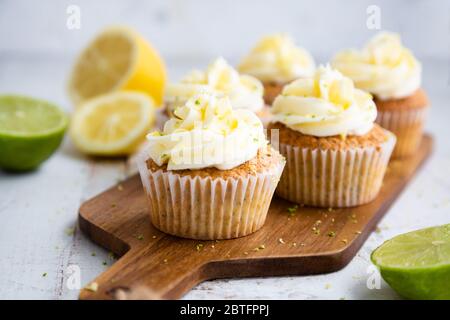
155 265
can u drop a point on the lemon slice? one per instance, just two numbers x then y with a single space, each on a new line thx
117 59
114 124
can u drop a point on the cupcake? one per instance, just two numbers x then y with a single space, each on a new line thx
392 75
210 173
244 91
276 61
335 155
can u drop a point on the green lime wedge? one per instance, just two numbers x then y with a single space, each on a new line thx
417 264
30 131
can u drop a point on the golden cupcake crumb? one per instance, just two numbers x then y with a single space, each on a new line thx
266 158
374 138
417 100
260 247
93 287
272 90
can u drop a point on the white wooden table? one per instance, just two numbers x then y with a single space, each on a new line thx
40 243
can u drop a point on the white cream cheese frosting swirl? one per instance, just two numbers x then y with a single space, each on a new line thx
276 58
383 67
327 104
244 91
207 132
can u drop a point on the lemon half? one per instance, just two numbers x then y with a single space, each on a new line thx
114 124
117 59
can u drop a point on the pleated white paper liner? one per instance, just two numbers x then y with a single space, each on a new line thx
407 125
334 178
205 208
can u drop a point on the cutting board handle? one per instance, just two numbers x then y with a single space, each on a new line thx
142 274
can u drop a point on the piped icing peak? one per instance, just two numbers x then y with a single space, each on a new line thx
326 104
244 91
207 132
383 67
276 58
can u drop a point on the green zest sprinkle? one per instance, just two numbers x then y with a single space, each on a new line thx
199 246
292 210
70 231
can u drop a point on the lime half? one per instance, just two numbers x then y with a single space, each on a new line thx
30 131
417 264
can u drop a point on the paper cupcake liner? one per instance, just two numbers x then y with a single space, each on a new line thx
333 178
205 208
407 125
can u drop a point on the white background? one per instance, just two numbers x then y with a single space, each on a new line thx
36 53
206 28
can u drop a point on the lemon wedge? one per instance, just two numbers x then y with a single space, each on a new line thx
117 59
114 124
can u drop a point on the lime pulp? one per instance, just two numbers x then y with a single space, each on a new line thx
417 264
30 131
